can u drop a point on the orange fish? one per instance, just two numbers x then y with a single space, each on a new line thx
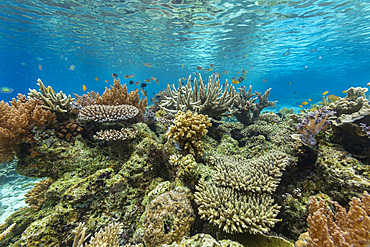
236 82
326 92
153 78
264 80
84 87
106 81
148 80
300 106
148 65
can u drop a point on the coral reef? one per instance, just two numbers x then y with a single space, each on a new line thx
68 129
16 122
247 111
58 102
108 113
342 229
35 197
168 218
187 130
107 236
114 135
239 201
212 100
312 125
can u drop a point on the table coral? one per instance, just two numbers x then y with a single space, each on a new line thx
187 130
108 113
114 135
16 121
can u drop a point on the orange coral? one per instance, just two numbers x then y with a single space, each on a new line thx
16 121
118 95
341 229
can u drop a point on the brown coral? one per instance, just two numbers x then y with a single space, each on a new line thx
117 95
341 229
187 130
35 197
16 122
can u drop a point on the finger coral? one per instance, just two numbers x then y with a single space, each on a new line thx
211 99
350 228
312 125
16 121
187 130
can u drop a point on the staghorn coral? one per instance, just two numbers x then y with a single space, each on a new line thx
16 122
213 100
168 218
58 102
108 113
247 111
114 96
187 130
35 197
239 201
114 135
350 228
312 125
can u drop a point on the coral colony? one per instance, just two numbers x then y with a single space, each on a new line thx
203 160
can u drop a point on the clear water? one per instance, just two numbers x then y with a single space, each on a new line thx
328 44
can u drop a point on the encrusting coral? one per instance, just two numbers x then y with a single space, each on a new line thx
247 111
212 99
16 122
350 228
312 125
58 102
187 130
239 200
35 197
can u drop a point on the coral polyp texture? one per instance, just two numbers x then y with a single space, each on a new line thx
350 228
212 99
58 102
108 113
312 125
187 130
239 200
16 121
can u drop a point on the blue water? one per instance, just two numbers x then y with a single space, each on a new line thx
298 48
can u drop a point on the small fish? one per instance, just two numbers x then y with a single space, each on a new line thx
301 111
23 63
309 99
40 67
324 93
211 65
209 69
183 65
199 68
153 78
84 87
137 83
245 56
143 91
72 67
39 58
304 103
217 75
345 91
106 81
149 65
294 93
332 97
6 90
264 80
286 53
290 83
225 72
156 80
148 80
131 82
96 78
129 76
114 75
143 85
313 49
236 82
300 106
245 71
241 78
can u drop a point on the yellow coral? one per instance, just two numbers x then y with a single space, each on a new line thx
187 130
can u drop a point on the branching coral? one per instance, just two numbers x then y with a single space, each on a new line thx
239 200
16 122
53 101
187 130
247 111
350 228
312 125
211 99
114 96
35 197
